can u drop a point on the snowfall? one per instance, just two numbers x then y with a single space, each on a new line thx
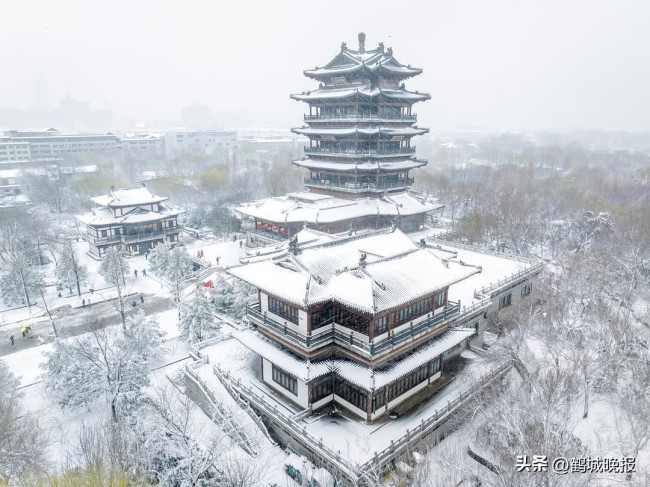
353 438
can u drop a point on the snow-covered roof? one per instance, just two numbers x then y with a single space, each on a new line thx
128 197
395 271
365 91
292 209
104 216
361 375
363 62
387 131
353 166
10 173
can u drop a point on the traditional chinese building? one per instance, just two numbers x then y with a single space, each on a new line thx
368 322
133 219
360 156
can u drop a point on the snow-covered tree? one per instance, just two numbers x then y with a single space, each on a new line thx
113 268
69 269
9 382
230 296
20 279
197 321
165 434
22 441
108 363
173 264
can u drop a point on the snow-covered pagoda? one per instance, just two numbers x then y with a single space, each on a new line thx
133 219
365 322
360 125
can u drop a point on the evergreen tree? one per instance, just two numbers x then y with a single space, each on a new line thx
197 321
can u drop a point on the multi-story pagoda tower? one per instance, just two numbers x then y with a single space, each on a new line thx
360 124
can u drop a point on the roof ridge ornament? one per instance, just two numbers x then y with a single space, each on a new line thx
362 43
344 46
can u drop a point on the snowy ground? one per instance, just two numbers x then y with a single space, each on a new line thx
354 438
27 357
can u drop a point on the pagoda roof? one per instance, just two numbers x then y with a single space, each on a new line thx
367 166
388 131
363 91
294 208
370 274
104 216
364 62
369 378
128 197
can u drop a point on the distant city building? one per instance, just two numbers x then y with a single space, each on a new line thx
360 125
267 144
133 219
179 141
51 144
144 144
13 157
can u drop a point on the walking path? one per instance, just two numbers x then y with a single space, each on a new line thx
77 322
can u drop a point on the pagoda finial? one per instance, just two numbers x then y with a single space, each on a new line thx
362 42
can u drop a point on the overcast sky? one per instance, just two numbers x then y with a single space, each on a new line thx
487 64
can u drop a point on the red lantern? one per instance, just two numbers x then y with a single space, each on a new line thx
283 230
259 224
274 228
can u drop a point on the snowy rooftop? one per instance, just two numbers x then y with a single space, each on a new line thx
104 216
395 271
387 131
367 377
365 91
299 207
494 267
374 166
362 61
128 197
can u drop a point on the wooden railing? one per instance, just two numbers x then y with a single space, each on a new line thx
427 426
331 334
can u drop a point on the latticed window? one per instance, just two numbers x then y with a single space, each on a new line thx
505 301
527 289
289 382
381 325
283 310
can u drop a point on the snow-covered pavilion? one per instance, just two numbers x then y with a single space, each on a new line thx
365 322
360 125
133 219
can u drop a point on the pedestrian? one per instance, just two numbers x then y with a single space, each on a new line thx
146 257
218 260
144 272
83 303
70 288
11 339
23 331
135 273
59 294
89 302
142 299
92 291
201 253
41 341
241 242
